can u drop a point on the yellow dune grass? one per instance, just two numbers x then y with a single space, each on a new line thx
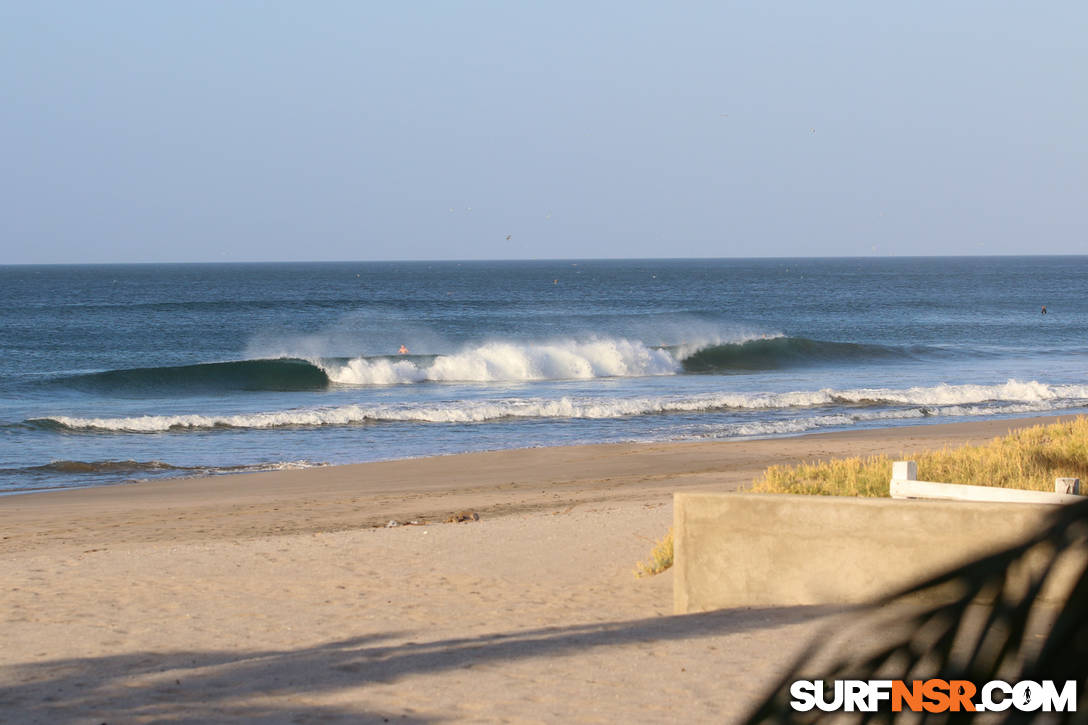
1028 458
660 558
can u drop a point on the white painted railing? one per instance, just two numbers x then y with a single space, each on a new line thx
905 484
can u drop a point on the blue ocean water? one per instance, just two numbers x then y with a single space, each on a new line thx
130 372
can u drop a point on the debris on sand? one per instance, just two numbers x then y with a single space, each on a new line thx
463 516
413 522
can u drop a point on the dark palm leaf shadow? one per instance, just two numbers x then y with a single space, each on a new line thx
982 621
213 686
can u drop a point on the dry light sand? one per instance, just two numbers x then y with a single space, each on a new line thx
279 597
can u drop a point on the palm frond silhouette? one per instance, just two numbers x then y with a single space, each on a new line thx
1018 614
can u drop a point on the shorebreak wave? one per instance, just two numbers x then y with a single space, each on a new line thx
941 399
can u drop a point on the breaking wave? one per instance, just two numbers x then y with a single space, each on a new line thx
488 362
514 362
937 400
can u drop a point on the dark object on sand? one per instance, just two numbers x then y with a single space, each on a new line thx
463 516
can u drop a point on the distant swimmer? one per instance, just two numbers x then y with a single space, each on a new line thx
1044 309
403 350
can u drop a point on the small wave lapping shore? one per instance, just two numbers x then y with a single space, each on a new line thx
140 469
62 474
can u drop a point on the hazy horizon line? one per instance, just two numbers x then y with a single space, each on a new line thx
528 259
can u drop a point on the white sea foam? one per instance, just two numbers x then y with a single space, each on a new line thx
512 362
298 465
957 400
376 371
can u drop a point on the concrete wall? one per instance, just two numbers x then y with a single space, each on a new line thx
758 550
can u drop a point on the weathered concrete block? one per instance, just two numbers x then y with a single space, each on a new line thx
753 550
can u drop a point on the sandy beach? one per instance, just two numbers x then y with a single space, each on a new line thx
284 596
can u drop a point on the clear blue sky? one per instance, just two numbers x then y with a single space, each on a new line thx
233 131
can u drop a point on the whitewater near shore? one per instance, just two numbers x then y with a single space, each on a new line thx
284 596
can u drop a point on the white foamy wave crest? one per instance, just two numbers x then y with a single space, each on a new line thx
945 394
510 362
462 412
948 400
378 371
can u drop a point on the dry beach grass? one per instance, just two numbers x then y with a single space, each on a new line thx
1025 458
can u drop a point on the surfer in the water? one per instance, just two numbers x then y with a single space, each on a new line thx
1044 309
403 350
